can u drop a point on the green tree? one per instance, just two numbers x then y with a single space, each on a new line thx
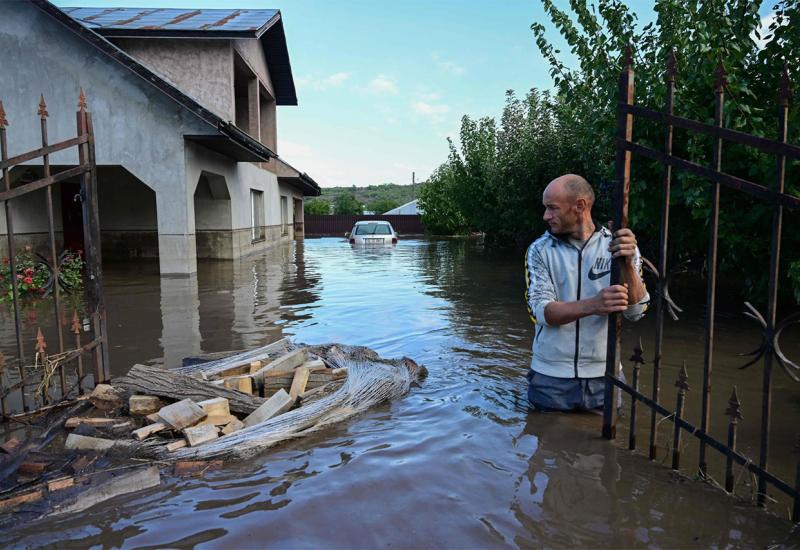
317 206
381 206
346 203
440 213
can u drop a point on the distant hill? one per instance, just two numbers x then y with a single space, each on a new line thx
400 194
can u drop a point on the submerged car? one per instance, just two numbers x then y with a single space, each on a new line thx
372 233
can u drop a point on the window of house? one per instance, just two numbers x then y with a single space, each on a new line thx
284 216
257 214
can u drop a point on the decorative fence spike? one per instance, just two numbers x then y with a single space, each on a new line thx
735 414
638 360
3 120
720 77
42 112
784 87
627 58
670 75
82 101
683 386
41 345
76 323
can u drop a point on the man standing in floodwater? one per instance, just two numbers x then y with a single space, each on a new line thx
568 275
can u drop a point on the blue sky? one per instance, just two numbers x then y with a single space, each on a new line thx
381 85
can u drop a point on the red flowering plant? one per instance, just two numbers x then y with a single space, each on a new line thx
34 276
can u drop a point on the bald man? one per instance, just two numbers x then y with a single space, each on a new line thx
569 295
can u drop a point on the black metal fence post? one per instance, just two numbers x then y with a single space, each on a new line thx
683 386
734 413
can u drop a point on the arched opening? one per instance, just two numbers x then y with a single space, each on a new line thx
212 217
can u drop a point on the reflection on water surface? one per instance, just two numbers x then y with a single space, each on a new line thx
458 463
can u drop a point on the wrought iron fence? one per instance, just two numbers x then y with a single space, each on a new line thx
769 350
46 370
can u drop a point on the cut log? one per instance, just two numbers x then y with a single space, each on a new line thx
216 406
75 421
148 430
200 434
164 383
233 426
275 405
299 382
182 414
175 445
13 502
122 485
86 443
243 383
142 405
235 364
106 398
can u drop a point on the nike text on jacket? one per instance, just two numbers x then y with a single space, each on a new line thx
557 270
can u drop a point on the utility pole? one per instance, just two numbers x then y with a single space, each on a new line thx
413 186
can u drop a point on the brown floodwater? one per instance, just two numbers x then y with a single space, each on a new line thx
459 462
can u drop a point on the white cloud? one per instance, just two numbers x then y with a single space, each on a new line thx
430 109
451 68
323 83
383 84
764 31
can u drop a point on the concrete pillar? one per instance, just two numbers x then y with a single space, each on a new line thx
254 108
177 250
180 318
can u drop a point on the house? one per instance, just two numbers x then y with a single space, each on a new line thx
407 209
184 105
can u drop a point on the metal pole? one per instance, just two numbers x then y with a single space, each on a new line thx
623 173
734 412
53 255
12 261
683 386
669 77
784 92
711 289
638 361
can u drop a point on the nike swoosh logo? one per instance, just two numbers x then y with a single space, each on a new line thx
594 275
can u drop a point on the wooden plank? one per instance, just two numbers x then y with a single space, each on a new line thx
122 485
155 381
285 363
142 405
339 374
32 469
255 366
153 418
86 443
60 483
75 421
195 467
299 383
11 446
148 430
218 405
233 426
228 365
81 463
243 383
13 502
182 414
275 405
316 365
200 434
178 444
217 420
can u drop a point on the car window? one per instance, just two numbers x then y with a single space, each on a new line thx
373 229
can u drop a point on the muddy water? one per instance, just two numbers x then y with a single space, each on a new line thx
459 462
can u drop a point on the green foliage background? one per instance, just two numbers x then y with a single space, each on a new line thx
493 180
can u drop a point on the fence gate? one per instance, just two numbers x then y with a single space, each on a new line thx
40 375
769 351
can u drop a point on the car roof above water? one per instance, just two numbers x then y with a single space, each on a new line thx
373 221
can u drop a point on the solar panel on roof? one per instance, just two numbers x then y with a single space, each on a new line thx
172 19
